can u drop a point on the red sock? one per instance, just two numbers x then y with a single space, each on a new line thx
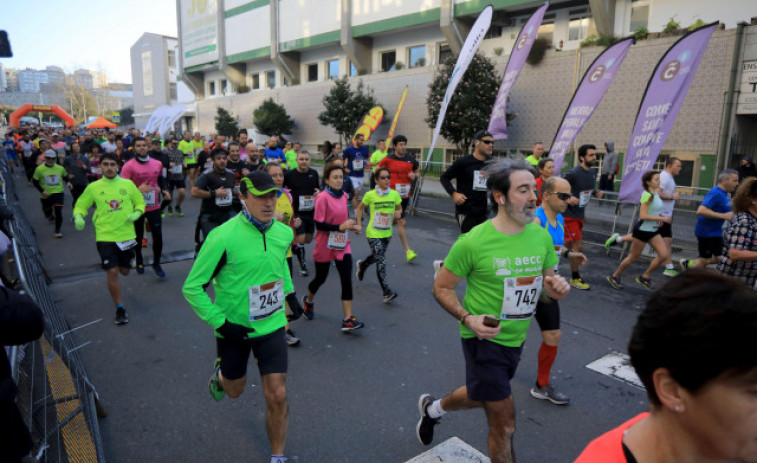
547 356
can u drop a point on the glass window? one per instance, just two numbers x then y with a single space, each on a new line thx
444 52
255 81
312 72
333 67
388 59
212 87
578 29
639 15
417 56
172 91
494 32
171 58
271 78
224 87
353 69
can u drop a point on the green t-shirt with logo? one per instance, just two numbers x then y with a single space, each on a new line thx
291 157
503 276
376 157
381 210
114 200
51 179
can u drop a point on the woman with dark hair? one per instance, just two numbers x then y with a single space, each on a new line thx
693 348
740 238
94 161
326 149
78 168
647 230
332 244
546 168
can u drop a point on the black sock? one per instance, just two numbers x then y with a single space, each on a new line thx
576 275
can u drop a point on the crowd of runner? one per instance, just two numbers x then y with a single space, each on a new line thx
260 207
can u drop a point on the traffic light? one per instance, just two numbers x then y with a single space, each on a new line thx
5 46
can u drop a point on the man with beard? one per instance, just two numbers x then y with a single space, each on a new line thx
215 187
582 179
240 169
508 252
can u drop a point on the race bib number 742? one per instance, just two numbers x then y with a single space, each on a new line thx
520 297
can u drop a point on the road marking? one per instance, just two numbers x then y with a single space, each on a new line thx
616 365
453 450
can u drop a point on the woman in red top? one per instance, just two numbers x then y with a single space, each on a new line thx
546 169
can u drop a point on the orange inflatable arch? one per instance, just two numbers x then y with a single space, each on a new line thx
16 115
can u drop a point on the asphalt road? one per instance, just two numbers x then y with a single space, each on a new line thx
352 397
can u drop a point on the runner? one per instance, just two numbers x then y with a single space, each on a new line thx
646 231
376 157
146 173
468 173
198 146
303 183
549 216
215 187
332 244
176 178
25 149
291 155
240 168
384 205
284 213
536 155
355 157
48 179
118 203
510 252
77 166
254 158
546 168
669 197
740 257
247 314
582 179
273 152
10 150
404 170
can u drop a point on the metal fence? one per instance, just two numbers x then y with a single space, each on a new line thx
56 398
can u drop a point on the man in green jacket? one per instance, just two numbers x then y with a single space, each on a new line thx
245 259
118 203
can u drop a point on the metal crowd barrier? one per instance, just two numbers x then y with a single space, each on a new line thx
55 396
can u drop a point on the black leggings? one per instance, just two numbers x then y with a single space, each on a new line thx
344 267
52 206
156 228
378 256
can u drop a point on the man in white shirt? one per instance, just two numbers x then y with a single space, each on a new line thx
669 197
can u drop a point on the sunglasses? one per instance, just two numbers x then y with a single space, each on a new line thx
561 196
384 177
488 142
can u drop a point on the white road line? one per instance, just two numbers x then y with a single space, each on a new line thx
453 450
616 365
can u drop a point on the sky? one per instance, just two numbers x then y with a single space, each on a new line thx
82 34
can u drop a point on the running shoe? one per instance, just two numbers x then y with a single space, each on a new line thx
669 272
359 272
303 270
437 267
292 340
389 296
162 215
411 255
578 283
612 241
614 282
140 269
169 211
179 211
685 264
645 282
549 393
214 385
307 308
159 271
58 235
122 317
425 428
351 323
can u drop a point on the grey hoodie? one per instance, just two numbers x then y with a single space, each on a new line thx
610 161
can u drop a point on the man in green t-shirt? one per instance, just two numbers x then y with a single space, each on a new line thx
376 157
536 156
508 263
385 207
291 155
118 204
48 179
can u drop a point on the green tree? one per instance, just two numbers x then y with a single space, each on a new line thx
471 105
271 119
344 108
226 124
127 116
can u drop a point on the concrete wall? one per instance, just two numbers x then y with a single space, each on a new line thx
728 12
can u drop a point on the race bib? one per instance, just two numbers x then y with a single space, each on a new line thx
520 297
52 180
224 200
124 245
198 151
27 154
479 180
266 299
97 171
307 203
382 220
583 198
357 164
176 170
403 189
149 198
337 240
164 172
208 164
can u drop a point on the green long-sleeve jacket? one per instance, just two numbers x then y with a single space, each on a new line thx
114 199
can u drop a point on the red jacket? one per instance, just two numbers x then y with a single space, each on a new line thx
608 448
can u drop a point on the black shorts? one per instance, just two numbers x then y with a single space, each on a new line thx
547 315
270 353
54 199
642 235
666 230
192 167
177 184
710 246
467 221
405 202
111 255
307 227
489 367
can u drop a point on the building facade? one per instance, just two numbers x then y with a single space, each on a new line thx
237 53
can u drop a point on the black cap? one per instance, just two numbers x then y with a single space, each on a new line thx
258 182
481 134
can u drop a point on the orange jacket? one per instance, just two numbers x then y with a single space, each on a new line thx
608 448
